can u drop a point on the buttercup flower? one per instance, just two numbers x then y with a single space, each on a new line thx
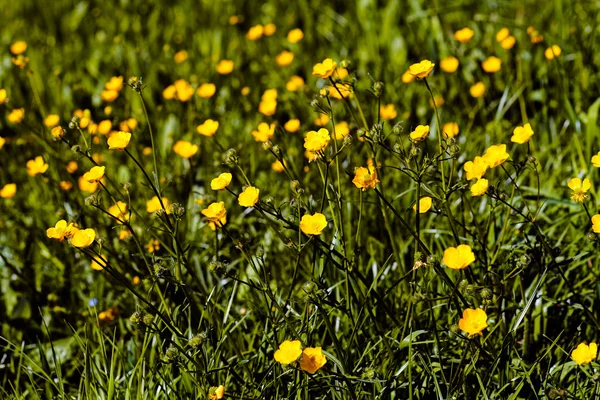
118 210
267 107
316 141
2 141
215 211
16 116
321 120
119 140
522 134
114 83
288 352
18 47
104 127
424 205
312 359
473 321
450 130
552 52
269 29
595 159
61 230
249 197
94 174
278 166
57 132
2 96
109 95
206 90
502 34
388 112
475 169
51 120
185 149
295 35
341 130
508 43
86 186
36 166
99 263
216 393
458 257
221 181
255 32
365 178
225 67
8 190
324 69
313 224
292 125
491 64
153 205
65 185
595 223
495 155
477 90
208 127
407 77
264 132
585 354
180 56
284 58
420 133
579 189
464 35
295 83
479 188
449 64
422 69
83 238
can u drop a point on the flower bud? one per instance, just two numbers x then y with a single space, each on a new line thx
345 63
197 340
347 140
486 293
378 88
148 319
135 318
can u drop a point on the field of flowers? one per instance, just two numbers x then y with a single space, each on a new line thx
351 200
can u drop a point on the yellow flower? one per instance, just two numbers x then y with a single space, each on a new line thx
94 174
312 359
208 127
8 190
491 64
61 230
422 69
552 52
579 189
20 61
65 185
278 167
450 130
464 35
365 178
316 141
36 166
284 58
249 197
534 35
221 181
477 90
292 125
114 83
388 112
495 155
169 92
269 29
288 352
185 149
2 96
225 67
324 69
295 83
83 238
322 120
119 211
104 127
206 90
424 205
2 141
183 90
72 166
473 321
595 160
479 188
119 140
110 314
508 43
420 133
522 134
255 32
180 56
86 186
109 95
16 116
596 223
342 73
313 224
18 47
341 89
449 64
267 107
51 120
216 393
295 35
98 264
153 205
341 130
502 34
458 257
234 20
407 77
215 211
585 354
264 132
57 132
153 246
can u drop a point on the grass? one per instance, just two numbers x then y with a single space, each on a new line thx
177 309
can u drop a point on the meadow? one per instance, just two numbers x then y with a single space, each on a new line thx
299 200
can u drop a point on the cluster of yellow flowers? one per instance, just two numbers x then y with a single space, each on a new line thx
311 358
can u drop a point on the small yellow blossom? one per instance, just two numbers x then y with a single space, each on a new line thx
57 132
324 69
269 29
104 127
288 352
98 264
255 32
295 83
458 257
51 120
3 96
284 58
316 141
264 132
502 34
16 116
449 64
585 354
579 189
65 185
114 83
475 169
424 205
36 166
206 90
464 35
61 230
365 178
322 120
8 190
342 129
153 205
388 112
491 64
18 47
508 43
422 69
522 134
95 174
185 149
473 321
495 155
295 35
552 52
86 186
119 140
249 197
292 125
180 56
215 211
477 90
83 238
450 130
109 95
407 77
312 359
225 67
278 166
208 127
420 133
119 211
2 142
479 188
595 160
596 223
72 167
267 107
313 224
216 393
221 181
169 92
